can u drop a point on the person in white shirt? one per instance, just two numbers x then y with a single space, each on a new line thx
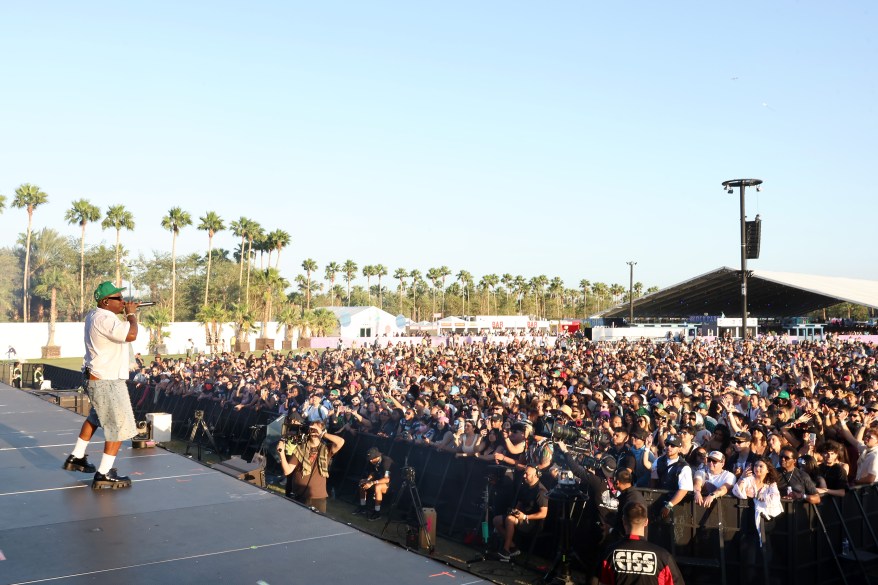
106 372
714 481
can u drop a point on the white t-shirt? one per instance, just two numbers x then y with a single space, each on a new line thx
106 351
718 480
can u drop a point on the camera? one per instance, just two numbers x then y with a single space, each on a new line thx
567 434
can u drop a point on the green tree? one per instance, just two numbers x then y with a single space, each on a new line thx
400 274
213 316
465 278
176 220
272 285
52 251
245 320
309 265
155 319
369 272
2 203
29 197
210 223
330 272
240 228
50 281
349 269
584 285
118 218
380 272
279 239
255 233
321 322
81 212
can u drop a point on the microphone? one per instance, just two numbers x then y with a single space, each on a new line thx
145 304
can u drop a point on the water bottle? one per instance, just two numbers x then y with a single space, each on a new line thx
845 547
333 493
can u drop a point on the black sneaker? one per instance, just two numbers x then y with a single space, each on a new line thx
505 555
79 464
375 515
110 481
360 511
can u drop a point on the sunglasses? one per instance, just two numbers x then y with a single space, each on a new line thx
113 298
714 461
786 457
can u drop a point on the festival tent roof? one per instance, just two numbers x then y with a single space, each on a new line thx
769 294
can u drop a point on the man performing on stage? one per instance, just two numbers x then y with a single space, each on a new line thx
106 373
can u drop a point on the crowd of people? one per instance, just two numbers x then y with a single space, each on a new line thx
760 419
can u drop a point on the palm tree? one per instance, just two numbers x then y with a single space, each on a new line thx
321 322
210 223
240 228
212 316
279 240
244 319
309 265
400 274
434 275
82 211
50 281
417 281
349 269
380 271
492 280
291 318
556 291
176 220
155 320
507 280
118 218
466 282
369 272
2 203
254 232
29 197
329 274
272 285
584 284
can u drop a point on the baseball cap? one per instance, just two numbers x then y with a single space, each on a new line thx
716 456
106 289
608 464
673 440
373 453
743 436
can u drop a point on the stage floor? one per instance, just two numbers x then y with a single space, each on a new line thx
179 523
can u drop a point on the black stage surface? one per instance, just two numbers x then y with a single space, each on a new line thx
180 522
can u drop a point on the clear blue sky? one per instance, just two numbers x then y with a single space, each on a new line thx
560 138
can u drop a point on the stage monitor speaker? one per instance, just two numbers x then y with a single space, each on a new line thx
253 472
73 400
430 528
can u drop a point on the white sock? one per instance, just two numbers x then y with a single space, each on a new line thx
363 502
106 464
377 507
79 449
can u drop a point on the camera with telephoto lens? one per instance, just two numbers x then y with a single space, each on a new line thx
567 434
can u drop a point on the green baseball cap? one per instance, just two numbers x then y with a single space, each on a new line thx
106 289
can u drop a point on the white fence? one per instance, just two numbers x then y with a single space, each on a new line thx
29 338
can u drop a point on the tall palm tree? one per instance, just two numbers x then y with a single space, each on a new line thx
210 223
369 272
118 218
82 211
507 280
50 281
434 275
380 271
556 291
331 270
2 203
466 282
279 240
29 197
400 274
254 232
585 285
176 220
417 279
492 280
349 269
240 228
309 265
272 285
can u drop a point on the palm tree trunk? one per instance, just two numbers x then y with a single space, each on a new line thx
118 258
24 308
247 292
241 270
173 276
82 271
209 258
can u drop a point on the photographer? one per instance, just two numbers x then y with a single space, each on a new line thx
298 462
532 506
377 481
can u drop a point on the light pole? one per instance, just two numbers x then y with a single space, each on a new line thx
729 186
631 264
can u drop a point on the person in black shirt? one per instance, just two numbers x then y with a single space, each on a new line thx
377 481
532 506
634 561
832 474
793 482
627 494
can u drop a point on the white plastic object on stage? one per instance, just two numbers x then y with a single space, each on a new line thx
161 426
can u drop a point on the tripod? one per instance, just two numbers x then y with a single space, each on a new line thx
409 486
559 572
199 425
494 485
